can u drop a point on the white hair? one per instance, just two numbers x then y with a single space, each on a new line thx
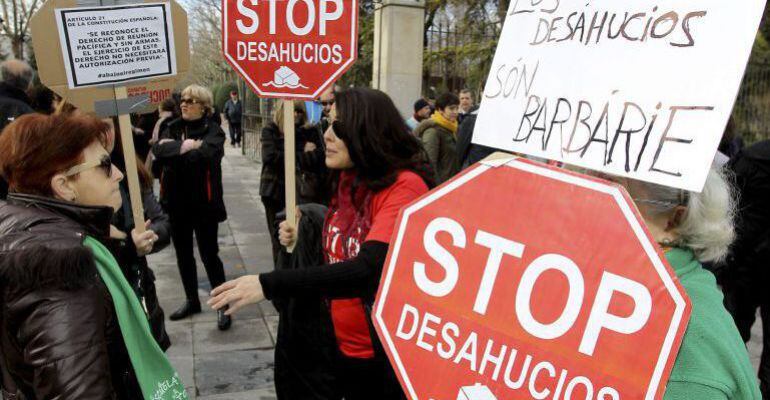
707 227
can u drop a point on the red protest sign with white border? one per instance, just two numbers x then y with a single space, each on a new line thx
291 49
522 280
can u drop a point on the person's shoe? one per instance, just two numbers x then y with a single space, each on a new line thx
223 321
187 309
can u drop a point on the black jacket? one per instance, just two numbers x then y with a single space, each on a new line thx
272 182
752 178
305 344
135 267
191 183
60 337
469 153
13 104
233 111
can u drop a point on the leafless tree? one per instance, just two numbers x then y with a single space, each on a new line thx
15 23
207 65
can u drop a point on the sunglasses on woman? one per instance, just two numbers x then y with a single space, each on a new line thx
105 164
190 101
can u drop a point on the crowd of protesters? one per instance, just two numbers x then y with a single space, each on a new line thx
79 310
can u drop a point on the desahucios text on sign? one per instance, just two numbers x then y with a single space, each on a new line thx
640 89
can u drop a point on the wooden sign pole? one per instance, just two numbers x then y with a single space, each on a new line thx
129 154
290 167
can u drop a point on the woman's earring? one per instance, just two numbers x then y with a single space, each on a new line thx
666 242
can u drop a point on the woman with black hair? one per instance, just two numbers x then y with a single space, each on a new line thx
378 167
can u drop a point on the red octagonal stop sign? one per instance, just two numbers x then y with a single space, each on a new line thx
522 281
292 49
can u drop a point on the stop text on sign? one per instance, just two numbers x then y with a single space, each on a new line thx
300 18
599 318
445 337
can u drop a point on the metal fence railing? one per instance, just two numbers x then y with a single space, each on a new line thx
751 113
257 113
456 60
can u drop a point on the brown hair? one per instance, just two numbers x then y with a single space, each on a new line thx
36 147
299 107
145 176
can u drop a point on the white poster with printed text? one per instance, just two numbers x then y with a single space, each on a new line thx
638 89
116 44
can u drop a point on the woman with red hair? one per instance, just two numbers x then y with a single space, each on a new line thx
71 325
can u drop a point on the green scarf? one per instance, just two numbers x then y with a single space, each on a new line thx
156 376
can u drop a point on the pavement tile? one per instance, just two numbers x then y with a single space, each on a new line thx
268 309
244 334
185 367
262 394
180 333
228 372
272 327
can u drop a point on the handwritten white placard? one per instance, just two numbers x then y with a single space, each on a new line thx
640 89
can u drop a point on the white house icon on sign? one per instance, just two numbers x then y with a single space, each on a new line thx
285 77
475 392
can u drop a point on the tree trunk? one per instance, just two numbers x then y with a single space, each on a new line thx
502 9
17 46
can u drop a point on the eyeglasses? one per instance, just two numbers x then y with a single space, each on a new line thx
683 200
338 130
105 164
190 101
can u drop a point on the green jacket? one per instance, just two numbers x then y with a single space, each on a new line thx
713 362
441 145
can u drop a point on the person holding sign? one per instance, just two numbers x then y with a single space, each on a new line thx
308 153
190 152
693 228
379 167
72 326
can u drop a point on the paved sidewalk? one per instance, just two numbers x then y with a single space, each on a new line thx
236 364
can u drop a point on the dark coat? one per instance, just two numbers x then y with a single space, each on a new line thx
60 337
13 104
752 180
146 123
272 181
233 111
191 183
135 267
441 145
469 153
305 343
